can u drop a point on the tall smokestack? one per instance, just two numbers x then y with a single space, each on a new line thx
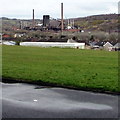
62 27
33 22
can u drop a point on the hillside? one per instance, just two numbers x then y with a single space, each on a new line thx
105 22
100 17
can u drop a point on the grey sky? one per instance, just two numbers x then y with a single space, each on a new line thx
72 8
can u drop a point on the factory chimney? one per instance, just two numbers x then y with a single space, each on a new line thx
62 27
33 21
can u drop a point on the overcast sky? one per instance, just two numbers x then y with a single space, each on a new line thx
72 8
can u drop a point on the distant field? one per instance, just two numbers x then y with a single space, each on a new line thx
68 67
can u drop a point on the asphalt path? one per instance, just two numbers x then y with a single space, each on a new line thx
31 101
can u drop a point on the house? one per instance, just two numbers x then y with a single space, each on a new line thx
18 35
116 47
108 46
8 43
98 45
94 45
5 36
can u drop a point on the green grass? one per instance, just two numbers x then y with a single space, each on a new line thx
69 67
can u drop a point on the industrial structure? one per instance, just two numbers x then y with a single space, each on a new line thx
51 24
46 21
62 27
33 21
54 44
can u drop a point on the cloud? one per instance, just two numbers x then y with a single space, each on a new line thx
72 8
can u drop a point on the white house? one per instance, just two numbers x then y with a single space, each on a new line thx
108 46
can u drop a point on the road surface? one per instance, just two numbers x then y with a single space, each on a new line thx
31 101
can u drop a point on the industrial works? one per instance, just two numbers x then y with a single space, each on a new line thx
51 24
92 32
56 26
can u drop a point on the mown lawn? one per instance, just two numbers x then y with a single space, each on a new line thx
68 67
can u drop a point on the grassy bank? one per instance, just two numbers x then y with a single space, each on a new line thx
68 67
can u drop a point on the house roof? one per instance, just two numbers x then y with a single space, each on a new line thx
100 43
5 36
92 43
117 45
113 43
108 44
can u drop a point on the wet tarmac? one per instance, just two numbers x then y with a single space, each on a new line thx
20 100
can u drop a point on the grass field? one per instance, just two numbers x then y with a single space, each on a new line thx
68 67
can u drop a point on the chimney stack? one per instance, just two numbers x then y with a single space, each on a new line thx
33 22
62 27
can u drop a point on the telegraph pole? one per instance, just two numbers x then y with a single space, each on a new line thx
62 26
